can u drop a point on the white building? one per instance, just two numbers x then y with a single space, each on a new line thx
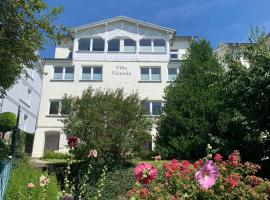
26 93
116 53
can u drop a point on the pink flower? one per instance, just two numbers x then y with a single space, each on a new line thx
234 158
143 193
43 181
92 154
30 186
145 173
207 175
218 157
73 142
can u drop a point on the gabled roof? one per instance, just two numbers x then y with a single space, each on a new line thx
123 18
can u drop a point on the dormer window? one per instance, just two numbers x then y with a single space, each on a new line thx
114 45
98 44
159 45
84 44
129 45
145 45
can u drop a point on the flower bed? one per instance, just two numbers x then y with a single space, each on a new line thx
205 179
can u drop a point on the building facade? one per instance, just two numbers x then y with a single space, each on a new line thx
26 93
116 53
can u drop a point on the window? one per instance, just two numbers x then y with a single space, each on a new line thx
84 44
114 45
54 107
63 73
98 44
145 45
58 73
172 73
159 45
29 96
153 108
129 45
150 74
69 73
174 54
92 73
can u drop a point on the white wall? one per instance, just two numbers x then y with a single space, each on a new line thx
18 96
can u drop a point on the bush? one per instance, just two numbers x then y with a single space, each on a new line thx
23 174
3 150
111 122
7 121
116 184
55 155
205 179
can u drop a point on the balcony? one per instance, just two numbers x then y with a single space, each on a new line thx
120 56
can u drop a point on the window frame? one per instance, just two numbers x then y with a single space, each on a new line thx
174 52
63 73
177 72
150 68
91 72
150 103
92 44
84 49
59 107
109 46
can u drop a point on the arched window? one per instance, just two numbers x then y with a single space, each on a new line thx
84 44
159 45
145 45
114 45
98 44
129 45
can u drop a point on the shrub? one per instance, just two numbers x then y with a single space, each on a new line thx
3 150
109 121
7 121
116 184
21 176
204 179
55 155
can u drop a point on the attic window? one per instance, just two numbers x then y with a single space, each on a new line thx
114 45
129 45
159 45
98 44
84 44
145 45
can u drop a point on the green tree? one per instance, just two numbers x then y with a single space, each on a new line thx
7 122
191 111
109 121
24 27
247 94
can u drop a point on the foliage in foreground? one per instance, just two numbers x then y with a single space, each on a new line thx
109 121
27 182
192 106
205 179
24 27
246 91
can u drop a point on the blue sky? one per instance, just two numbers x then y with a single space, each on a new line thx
214 20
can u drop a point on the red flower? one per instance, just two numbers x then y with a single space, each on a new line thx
143 193
234 158
185 163
218 157
233 180
72 142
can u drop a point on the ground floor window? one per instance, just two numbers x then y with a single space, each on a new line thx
51 141
153 108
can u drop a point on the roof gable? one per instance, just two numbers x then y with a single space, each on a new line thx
122 18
